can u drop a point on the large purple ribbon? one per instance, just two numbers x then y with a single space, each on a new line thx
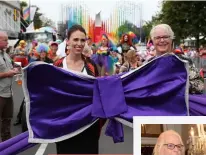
75 101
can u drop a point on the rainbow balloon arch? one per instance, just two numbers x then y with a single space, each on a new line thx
77 13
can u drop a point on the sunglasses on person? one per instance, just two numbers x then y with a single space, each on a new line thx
171 146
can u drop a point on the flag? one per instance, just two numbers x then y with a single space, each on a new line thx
26 13
32 12
98 21
30 27
147 91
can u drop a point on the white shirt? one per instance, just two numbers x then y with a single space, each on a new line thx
5 83
84 71
61 49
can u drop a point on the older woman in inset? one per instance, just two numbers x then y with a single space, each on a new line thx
169 143
162 37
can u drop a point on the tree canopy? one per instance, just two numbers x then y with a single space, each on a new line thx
186 18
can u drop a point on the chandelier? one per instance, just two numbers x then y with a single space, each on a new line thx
197 143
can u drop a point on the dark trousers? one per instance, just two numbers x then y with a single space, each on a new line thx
19 115
86 142
6 114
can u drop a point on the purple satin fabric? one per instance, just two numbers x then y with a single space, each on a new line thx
151 91
64 102
108 97
59 100
197 105
16 145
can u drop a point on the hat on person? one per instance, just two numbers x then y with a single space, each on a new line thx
22 42
54 43
42 48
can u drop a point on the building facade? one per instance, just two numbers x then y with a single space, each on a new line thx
10 18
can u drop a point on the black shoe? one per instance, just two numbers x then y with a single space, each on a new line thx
18 122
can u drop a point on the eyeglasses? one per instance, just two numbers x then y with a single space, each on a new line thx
158 38
172 146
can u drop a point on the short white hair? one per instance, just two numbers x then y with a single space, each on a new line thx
161 139
166 27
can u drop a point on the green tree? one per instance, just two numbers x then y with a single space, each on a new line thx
38 23
24 23
187 19
149 25
47 22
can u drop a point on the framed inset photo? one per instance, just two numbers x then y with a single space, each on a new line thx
185 133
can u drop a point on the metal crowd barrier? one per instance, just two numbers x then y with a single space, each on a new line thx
200 63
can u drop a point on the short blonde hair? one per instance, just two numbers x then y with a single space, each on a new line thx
130 55
161 139
166 27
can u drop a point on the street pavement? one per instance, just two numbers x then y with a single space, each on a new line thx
106 145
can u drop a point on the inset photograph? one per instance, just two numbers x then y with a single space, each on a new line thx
170 139
177 139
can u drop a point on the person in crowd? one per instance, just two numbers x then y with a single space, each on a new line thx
203 53
169 143
132 61
59 61
114 56
7 71
102 57
192 53
53 52
150 52
117 67
61 48
162 37
88 47
94 48
33 54
89 41
43 50
87 51
125 45
86 142
21 53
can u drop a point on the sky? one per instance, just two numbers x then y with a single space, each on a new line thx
52 8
